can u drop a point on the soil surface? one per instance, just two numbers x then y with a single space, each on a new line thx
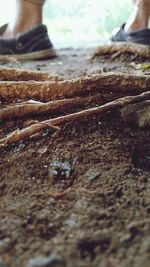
80 198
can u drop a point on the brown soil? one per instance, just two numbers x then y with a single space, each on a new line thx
82 195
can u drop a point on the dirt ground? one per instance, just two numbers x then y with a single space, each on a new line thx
80 198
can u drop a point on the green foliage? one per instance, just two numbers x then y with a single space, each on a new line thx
84 20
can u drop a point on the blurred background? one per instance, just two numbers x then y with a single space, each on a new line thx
77 23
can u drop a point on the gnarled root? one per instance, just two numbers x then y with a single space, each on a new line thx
53 123
119 48
47 90
39 108
10 74
27 132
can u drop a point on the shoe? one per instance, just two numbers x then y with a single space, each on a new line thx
32 45
141 36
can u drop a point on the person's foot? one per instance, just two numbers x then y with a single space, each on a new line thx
33 44
26 38
141 36
135 30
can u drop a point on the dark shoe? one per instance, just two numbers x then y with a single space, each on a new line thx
141 36
32 45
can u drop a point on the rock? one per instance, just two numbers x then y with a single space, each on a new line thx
137 114
20 147
72 221
125 238
42 150
60 170
51 261
92 174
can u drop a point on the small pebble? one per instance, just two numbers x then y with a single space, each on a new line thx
51 261
42 150
60 170
92 174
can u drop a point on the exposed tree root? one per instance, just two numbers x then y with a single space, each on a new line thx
9 74
47 90
54 123
119 48
38 108
27 132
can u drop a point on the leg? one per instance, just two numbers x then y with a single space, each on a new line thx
139 17
28 15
